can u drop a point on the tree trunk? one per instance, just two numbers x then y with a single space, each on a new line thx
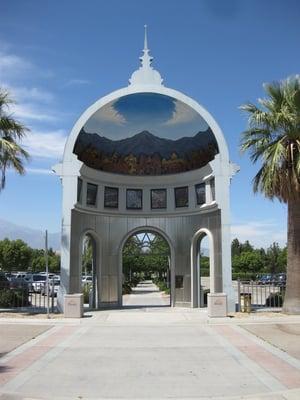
292 295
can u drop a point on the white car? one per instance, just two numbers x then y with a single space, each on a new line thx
36 282
53 287
87 279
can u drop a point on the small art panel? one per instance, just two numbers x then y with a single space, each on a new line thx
200 193
134 199
179 281
91 194
182 196
79 190
111 197
158 198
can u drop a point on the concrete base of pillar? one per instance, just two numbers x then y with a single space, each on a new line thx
217 305
73 305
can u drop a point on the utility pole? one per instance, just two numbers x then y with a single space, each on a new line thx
47 271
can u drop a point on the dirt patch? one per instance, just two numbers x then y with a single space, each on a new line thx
28 315
271 314
284 336
13 335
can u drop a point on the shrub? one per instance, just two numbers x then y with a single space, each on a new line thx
244 276
162 286
134 281
10 298
126 288
87 287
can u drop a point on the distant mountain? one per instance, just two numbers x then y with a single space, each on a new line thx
145 143
33 237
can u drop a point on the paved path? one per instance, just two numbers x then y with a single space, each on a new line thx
146 294
148 353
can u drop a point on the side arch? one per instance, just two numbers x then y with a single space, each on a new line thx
147 228
96 263
195 275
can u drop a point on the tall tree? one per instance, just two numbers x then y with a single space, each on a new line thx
273 137
12 155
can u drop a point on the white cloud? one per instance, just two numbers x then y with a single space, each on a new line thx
259 233
109 114
21 93
45 144
12 65
181 114
32 112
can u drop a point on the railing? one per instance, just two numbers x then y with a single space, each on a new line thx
27 297
253 295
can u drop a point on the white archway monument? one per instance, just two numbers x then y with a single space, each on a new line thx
148 80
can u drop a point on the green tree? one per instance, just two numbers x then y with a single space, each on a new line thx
12 155
15 255
38 261
273 137
248 261
235 247
87 256
145 258
275 259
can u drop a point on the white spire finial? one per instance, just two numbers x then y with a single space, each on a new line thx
145 39
146 59
146 74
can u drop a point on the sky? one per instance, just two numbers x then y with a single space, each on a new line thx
158 114
58 57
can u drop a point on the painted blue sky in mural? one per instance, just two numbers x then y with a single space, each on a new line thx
161 115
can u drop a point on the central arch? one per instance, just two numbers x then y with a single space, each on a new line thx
157 232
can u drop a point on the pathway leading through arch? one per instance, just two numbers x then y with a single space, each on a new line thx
146 294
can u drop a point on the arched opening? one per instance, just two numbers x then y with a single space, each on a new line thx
203 271
146 270
88 270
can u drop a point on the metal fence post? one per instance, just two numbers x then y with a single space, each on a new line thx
239 294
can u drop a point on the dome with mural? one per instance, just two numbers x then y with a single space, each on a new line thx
145 134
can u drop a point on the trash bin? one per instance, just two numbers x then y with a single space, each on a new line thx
245 301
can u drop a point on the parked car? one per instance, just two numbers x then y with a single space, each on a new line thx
19 282
53 287
280 279
36 282
87 279
265 279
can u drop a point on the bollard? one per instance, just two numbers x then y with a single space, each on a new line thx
245 302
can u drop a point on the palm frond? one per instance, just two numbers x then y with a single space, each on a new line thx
273 137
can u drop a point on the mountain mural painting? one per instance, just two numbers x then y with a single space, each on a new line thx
146 154
105 142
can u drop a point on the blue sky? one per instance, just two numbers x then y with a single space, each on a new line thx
58 57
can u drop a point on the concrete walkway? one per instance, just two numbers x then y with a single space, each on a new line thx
146 294
148 353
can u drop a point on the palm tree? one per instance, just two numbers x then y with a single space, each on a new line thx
12 155
273 137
